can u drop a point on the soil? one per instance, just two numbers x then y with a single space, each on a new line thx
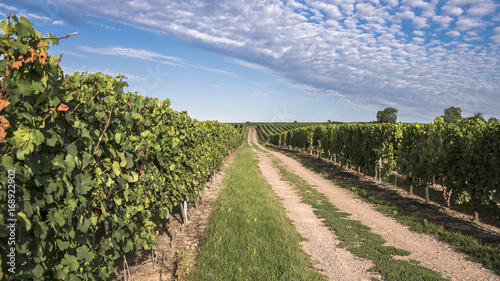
175 238
424 248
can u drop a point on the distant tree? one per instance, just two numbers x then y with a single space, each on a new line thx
477 115
329 121
492 119
452 114
388 115
295 121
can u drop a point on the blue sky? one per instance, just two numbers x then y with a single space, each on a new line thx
271 60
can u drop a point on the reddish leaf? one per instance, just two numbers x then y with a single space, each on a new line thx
4 123
42 57
3 104
62 107
17 64
3 134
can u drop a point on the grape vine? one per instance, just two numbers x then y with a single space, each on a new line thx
97 168
463 156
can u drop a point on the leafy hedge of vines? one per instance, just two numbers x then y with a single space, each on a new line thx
465 156
97 169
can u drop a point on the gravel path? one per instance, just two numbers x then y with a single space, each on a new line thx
342 265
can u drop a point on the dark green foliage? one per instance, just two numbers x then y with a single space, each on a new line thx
463 156
452 114
388 115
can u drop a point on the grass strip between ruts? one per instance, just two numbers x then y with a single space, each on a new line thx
358 238
248 235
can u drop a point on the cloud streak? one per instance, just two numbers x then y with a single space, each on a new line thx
150 56
131 52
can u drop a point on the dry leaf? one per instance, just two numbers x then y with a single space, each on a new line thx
42 57
3 134
62 107
30 56
4 123
17 64
3 104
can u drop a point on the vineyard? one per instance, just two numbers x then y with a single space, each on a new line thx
268 129
462 157
240 127
90 175
94 169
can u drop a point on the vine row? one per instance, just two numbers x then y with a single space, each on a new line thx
96 168
463 156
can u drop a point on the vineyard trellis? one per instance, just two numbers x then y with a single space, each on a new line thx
463 156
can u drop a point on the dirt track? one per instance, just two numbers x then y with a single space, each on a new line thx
340 264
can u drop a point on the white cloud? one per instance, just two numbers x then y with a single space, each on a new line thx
444 21
495 39
392 3
418 40
364 10
254 66
207 38
419 22
466 23
129 52
472 33
462 2
351 23
347 8
426 9
452 10
418 33
331 10
453 33
416 3
482 8
406 15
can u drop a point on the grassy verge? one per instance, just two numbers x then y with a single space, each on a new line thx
489 256
249 236
358 238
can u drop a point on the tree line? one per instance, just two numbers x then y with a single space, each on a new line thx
451 115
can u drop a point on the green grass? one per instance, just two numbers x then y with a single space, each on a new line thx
249 236
358 238
487 255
